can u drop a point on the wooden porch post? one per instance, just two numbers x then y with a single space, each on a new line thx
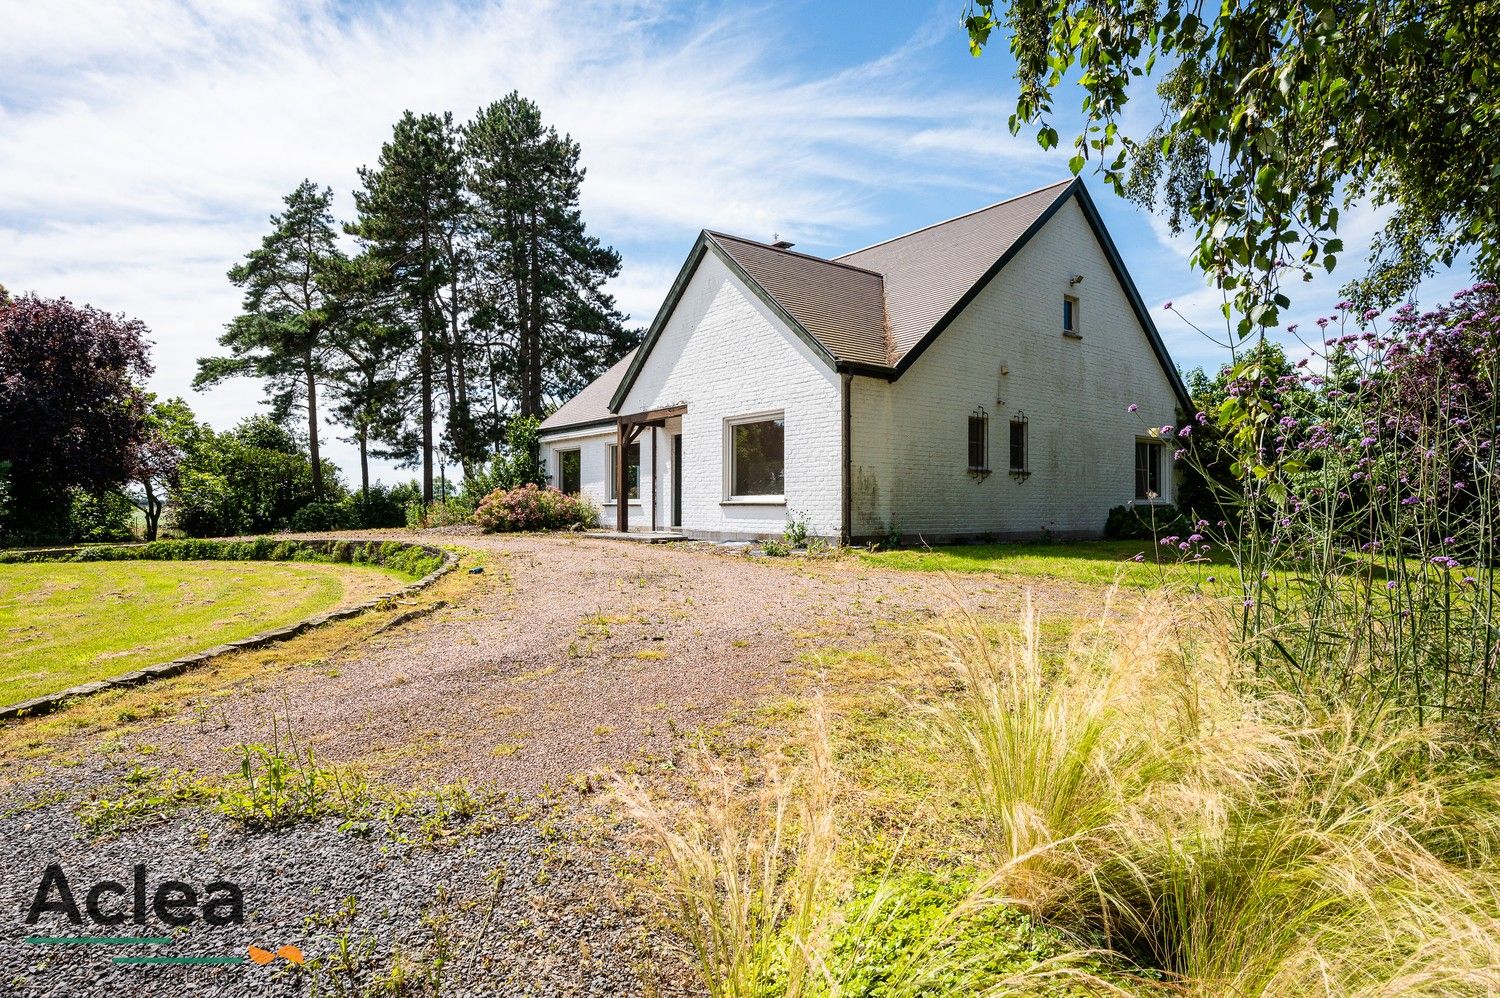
622 500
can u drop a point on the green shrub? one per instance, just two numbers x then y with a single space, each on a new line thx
533 508
407 559
321 514
100 517
1145 522
378 509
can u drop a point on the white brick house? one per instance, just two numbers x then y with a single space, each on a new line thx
969 379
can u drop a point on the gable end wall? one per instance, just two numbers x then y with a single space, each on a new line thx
909 438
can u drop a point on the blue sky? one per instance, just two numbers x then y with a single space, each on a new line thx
144 142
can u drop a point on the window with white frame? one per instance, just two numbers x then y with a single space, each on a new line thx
757 457
632 472
1070 316
1147 470
570 471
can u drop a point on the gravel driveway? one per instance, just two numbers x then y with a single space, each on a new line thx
568 655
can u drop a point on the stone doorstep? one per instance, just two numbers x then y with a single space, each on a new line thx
51 701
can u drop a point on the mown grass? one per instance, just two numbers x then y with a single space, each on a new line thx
1091 562
66 624
108 723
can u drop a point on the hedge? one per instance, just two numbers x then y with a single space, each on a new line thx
413 560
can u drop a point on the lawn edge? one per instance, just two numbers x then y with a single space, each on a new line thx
49 702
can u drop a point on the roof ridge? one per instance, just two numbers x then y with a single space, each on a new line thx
843 256
805 256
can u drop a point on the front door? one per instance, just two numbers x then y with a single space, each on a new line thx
677 479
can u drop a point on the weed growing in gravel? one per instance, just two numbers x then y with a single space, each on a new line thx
283 785
148 794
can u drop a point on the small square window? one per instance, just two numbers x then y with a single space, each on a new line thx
1070 316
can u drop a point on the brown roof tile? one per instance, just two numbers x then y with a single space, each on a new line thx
840 305
592 404
928 271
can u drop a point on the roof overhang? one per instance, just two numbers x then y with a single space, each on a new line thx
704 246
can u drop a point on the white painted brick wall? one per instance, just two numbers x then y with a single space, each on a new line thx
910 437
724 354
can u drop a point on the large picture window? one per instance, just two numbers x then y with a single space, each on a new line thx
570 471
757 459
632 472
1147 469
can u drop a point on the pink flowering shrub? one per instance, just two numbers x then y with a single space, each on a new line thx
533 508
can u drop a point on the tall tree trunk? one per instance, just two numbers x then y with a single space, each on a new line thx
425 361
489 351
312 426
426 365
364 460
533 372
152 511
459 399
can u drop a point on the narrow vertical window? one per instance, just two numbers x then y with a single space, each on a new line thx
1147 469
1018 448
570 471
979 440
1070 316
632 472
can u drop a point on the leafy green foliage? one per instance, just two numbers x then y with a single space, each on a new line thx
1271 117
518 463
1144 522
252 479
408 559
923 925
281 332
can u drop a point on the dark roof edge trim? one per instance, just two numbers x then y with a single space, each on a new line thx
989 275
1117 265
707 244
867 370
1134 296
567 427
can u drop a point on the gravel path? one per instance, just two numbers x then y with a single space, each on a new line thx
567 656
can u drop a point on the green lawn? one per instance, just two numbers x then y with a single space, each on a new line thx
66 624
1098 562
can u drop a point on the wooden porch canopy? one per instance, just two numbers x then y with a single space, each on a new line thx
627 429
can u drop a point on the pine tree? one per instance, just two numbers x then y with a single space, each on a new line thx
288 310
541 276
368 365
408 210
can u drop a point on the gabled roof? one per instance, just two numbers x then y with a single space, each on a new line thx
590 407
840 305
876 310
929 271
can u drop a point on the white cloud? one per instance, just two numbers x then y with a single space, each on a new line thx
146 141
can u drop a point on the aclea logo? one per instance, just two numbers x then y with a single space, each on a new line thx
109 902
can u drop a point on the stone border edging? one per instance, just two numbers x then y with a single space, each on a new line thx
49 702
